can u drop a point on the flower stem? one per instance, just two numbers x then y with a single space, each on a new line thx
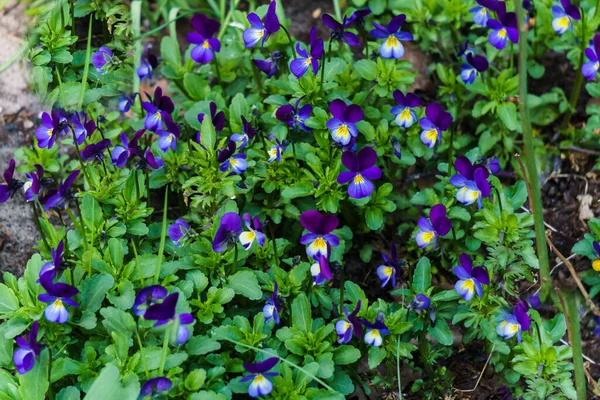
136 18
450 151
337 9
86 67
398 367
342 286
324 61
83 234
273 354
163 356
274 244
536 200
290 40
576 91
235 258
137 263
39 226
578 370
139 340
163 233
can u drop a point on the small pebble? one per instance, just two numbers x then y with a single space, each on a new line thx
27 124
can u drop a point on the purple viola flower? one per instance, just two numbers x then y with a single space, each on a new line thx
163 312
52 267
149 161
102 59
320 237
64 193
147 65
82 129
362 169
504 28
343 123
438 224
597 327
358 17
535 301
33 185
564 15
95 151
320 271
396 147
392 45
421 303
167 138
471 181
217 118
155 386
338 30
57 294
375 331
228 232
294 117
590 68
253 233
268 66
260 385
515 323
437 120
147 297
405 110
272 309
10 185
204 28
463 49
246 135
306 60
481 13
349 327
29 349
157 110
260 31
493 165
179 231
227 158
121 154
125 103
183 332
276 149
54 125
470 279
391 267
473 66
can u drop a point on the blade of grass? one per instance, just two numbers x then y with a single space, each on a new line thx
86 67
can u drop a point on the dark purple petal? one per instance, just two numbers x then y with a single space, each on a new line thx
232 222
367 157
396 23
466 262
328 224
311 220
479 62
271 21
164 310
353 113
412 100
285 113
351 161
345 177
261 367
324 266
337 108
464 166
331 22
432 111
400 98
481 175
351 39
481 275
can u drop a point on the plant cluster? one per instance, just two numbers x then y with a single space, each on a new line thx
223 233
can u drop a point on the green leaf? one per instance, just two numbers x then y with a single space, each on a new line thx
374 218
422 276
6 348
301 316
93 291
208 136
69 393
367 69
346 355
376 356
299 189
40 81
195 379
116 320
8 300
200 345
108 386
246 284
441 332
593 89
194 84
508 115
169 49
62 56
92 213
34 384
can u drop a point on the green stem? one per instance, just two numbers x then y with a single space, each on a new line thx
86 67
450 151
536 201
500 206
39 226
60 86
324 61
424 352
81 164
137 263
576 91
232 8
173 25
83 234
398 367
139 340
273 354
163 356
235 258
342 286
274 244
289 39
579 372
337 9
163 233
136 18
217 69
512 62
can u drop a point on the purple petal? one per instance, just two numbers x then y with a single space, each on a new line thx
367 157
466 262
481 275
353 113
311 220
261 367
337 108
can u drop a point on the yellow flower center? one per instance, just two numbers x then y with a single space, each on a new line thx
343 131
514 328
308 61
502 33
157 115
392 41
432 134
273 152
58 303
259 378
405 114
483 11
469 284
251 235
388 271
206 45
320 243
428 236
358 179
375 332
596 265
49 132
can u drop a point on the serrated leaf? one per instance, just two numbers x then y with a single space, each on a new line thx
246 284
